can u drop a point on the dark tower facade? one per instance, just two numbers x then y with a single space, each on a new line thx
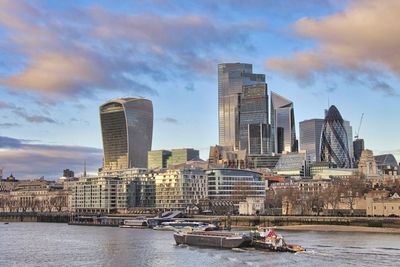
254 126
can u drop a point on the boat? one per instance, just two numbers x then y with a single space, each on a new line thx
212 239
269 240
6 223
135 223
179 225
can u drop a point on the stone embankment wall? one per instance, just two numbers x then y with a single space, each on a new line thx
254 221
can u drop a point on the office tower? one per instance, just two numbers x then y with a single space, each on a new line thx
127 129
253 116
358 147
334 140
349 131
182 155
310 138
231 78
157 159
283 131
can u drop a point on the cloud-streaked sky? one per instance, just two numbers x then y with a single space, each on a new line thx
60 60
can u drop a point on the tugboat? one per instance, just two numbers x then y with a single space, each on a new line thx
213 239
268 240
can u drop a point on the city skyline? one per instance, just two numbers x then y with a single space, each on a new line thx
54 74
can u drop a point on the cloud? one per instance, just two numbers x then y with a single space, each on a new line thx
7 142
22 113
26 160
190 87
85 49
170 120
363 39
9 125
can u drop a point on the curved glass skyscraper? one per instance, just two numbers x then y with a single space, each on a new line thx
127 130
282 124
334 140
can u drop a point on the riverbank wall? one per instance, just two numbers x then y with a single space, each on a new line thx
267 221
225 221
34 217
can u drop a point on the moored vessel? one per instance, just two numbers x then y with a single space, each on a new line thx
212 239
135 223
179 225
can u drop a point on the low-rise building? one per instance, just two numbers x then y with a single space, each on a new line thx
293 164
252 206
234 185
379 203
35 200
112 191
177 189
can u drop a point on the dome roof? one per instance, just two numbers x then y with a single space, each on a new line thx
333 114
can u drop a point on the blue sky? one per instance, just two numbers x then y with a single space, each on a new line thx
59 60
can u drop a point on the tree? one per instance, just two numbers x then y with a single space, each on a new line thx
351 189
331 195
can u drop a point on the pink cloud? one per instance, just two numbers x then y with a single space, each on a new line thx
364 39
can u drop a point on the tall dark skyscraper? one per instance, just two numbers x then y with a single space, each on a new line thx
310 137
254 122
127 130
231 78
334 140
358 147
283 128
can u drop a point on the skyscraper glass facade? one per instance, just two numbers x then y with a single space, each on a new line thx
283 130
254 126
310 138
127 129
157 159
231 78
182 155
334 140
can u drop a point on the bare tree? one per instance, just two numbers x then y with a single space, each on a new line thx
352 188
331 195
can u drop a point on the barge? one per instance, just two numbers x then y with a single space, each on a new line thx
212 239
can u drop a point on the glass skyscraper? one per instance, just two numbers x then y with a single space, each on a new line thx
231 78
254 126
334 140
127 130
283 130
310 137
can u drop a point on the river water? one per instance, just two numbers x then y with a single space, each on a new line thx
47 244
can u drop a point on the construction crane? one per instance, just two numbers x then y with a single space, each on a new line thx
359 126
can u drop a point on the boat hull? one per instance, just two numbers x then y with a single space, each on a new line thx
211 240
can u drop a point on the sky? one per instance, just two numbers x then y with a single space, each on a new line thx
60 60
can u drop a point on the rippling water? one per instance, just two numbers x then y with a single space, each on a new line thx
42 244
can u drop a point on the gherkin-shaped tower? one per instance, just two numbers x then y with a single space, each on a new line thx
334 143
